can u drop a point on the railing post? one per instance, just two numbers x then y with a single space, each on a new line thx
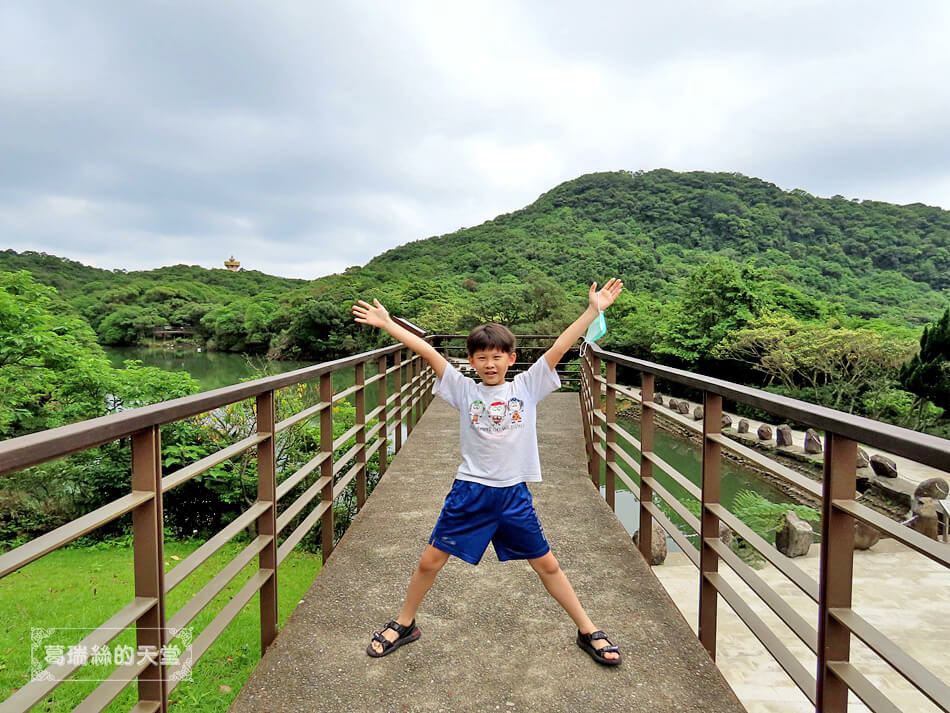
267 520
646 467
709 523
360 370
611 435
417 400
398 403
584 393
595 407
836 566
382 391
148 555
326 468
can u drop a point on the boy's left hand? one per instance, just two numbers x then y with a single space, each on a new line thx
603 299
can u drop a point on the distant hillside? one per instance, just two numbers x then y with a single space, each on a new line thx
874 259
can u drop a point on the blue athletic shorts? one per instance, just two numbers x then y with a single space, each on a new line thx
474 515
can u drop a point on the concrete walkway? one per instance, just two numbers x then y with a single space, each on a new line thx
492 638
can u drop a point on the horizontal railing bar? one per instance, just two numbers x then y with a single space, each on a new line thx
792 619
770 465
921 447
146 707
345 480
197 558
623 433
922 679
681 479
36 448
373 431
301 502
862 687
109 689
370 450
782 563
194 606
625 457
346 392
673 531
213 630
29 694
341 462
599 449
675 505
915 540
374 413
301 530
792 666
375 378
626 391
200 466
347 435
44 544
306 469
301 416
624 478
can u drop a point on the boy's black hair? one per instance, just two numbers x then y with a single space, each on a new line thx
491 336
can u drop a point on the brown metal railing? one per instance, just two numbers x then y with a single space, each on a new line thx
394 412
830 640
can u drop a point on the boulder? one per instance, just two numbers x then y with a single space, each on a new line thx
744 427
765 432
883 466
925 517
698 413
682 407
936 488
812 441
783 435
657 399
862 460
726 421
795 536
674 404
725 534
657 544
865 536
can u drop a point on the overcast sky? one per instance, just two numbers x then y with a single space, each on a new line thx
305 137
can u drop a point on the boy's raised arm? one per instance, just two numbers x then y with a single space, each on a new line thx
596 301
376 315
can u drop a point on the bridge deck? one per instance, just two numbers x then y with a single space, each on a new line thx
492 638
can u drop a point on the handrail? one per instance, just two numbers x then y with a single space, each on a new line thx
829 637
394 413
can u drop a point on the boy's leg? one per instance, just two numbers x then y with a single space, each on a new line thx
431 562
558 586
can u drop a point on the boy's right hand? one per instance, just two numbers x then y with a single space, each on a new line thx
375 316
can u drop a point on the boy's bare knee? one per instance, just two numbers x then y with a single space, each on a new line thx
432 561
546 566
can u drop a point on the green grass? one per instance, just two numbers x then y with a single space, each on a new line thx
84 586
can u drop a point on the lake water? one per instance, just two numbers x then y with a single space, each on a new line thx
216 369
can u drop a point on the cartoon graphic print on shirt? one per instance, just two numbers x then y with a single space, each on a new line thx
515 405
476 409
503 417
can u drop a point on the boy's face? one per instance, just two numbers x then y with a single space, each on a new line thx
491 365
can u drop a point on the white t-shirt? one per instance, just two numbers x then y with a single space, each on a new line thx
497 423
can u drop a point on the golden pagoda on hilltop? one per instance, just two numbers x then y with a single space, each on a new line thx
232 264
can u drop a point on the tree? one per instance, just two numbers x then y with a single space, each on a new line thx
927 374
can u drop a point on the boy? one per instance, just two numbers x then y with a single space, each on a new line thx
489 500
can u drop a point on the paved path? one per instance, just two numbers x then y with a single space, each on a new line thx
492 638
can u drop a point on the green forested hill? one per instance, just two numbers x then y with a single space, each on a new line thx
725 274
874 259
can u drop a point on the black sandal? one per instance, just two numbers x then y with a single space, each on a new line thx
586 642
407 634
